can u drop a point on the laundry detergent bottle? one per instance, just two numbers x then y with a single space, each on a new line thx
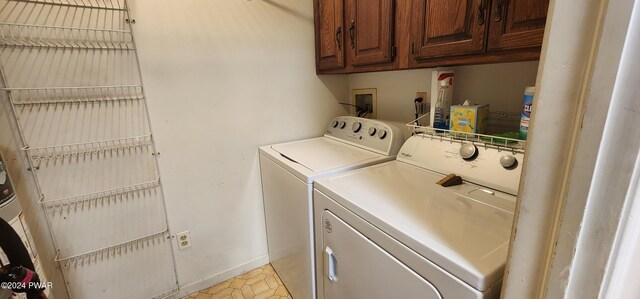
527 106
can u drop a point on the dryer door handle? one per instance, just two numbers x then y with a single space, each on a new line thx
330 264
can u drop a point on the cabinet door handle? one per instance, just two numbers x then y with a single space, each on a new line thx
330 264
480 12
497 13
339 37
352 32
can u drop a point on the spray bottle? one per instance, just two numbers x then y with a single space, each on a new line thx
443 103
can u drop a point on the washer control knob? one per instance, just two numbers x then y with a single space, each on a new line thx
508 161
356 127
334 124
343 124
468 151
372 131
382 134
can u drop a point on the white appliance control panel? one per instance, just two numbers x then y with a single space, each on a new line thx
495 168
366 133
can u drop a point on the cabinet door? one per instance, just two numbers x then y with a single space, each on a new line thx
329 16
370 30
517 24
448 27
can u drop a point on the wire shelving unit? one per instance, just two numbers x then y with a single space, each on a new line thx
83 94
71 75
480 140
117 5
21 35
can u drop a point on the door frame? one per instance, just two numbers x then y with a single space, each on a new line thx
558 213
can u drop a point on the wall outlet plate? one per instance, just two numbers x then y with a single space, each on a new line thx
184 240
423 95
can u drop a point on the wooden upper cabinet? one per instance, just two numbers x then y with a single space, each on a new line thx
448 27
517 24
370 31
362 35
329 16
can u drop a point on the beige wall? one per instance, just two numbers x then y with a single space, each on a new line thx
395 92
500 85
222 78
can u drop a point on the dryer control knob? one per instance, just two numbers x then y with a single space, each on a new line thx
468 151
343 124
334 124
382 134
372 131
508 161
356 127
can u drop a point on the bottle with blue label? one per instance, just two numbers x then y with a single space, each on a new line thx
527 106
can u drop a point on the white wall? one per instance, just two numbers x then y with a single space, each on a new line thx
222 78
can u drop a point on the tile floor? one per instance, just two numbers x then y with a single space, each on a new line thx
258 283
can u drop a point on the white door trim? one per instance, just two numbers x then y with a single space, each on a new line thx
576 77
606 227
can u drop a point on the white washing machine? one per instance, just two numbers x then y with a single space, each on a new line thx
389 231
288 171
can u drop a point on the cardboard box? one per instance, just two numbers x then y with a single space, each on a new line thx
471 119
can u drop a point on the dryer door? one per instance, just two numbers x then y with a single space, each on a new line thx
355 267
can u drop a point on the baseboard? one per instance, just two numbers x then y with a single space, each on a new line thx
222 276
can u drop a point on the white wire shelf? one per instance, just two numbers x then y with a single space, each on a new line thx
27 35
70 68
63 95
112 251
93 4
503 143
100 197
108 270
79 150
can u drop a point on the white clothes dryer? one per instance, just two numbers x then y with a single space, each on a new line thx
389 231
288 171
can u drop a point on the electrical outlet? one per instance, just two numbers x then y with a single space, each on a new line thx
423 95
425 107
184 240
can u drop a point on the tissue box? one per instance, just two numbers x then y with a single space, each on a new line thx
471 119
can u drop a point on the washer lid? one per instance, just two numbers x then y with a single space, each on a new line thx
463 229
322 154
310 158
